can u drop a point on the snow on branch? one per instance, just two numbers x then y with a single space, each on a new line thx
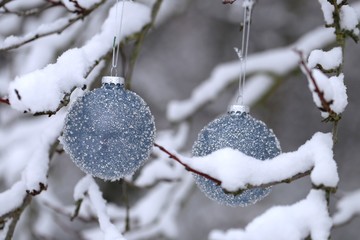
347 208
306 218
279 62
44 30
235 171
329 93
56 80
34 175
88 186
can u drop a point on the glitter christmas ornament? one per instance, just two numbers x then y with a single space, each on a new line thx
237 130
109 132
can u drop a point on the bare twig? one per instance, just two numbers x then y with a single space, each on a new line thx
79 9
5 101
77 209
228 1
187 167
125 195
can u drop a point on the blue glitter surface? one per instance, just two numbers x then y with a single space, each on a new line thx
109 132
240 131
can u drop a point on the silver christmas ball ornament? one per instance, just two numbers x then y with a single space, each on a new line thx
237 130
109 132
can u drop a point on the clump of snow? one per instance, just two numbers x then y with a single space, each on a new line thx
309 217
88 3
349 19
12 198
347 207
334 91
236 170
36 171
42 90
248 3
327 10
328 60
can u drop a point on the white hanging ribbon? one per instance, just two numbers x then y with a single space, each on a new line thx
242 54
115 53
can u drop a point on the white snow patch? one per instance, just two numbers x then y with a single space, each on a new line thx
334 91
307 217
349 19
36 170
327 10
12 198
88 3
347 207
328 60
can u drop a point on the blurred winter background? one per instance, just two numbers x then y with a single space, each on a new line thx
179 54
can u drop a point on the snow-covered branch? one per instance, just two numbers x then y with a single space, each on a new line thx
278 62
348 207
35 161
307 218
87 186
235 171
44 30
52 82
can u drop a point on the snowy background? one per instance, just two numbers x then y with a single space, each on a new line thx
192 42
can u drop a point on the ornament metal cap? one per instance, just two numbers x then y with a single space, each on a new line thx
113 80
236 108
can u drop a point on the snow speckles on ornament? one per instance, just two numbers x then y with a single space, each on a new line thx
242 132
109 132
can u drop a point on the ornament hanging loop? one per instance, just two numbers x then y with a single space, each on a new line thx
117 35
243 52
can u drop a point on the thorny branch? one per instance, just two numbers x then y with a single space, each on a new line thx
218 182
